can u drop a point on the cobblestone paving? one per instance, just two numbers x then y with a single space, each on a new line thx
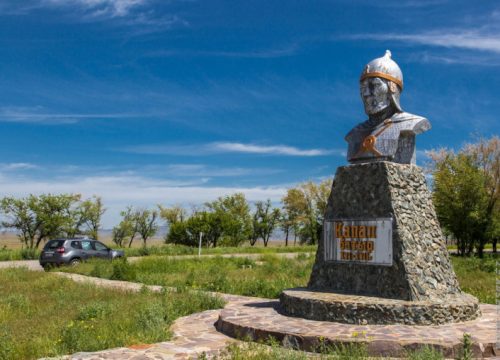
258 321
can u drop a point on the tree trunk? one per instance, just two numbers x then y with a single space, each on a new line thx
38 241
470 247
480 252
286 237
461 247
494 242
131 239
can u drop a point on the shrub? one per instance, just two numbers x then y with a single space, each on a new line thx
122 270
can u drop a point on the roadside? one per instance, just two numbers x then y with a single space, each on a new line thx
35 266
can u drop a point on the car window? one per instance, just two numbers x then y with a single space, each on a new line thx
100 246
76 245
54 244
86 245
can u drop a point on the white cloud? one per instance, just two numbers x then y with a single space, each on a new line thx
227 147
271 150
137 14
17 166
465 58
100 8
470 39
118 192
37 114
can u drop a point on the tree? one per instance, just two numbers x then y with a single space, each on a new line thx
39 218
265 221
232 214
21 217
187 232
466 192
173 214
92 212
293 209
127 228
305 207
146 224
286 224
86 218
486 154
119 233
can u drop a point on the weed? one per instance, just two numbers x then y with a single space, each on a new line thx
466 347
425 353
96 310
122 270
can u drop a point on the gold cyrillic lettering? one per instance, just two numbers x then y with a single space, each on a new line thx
338 230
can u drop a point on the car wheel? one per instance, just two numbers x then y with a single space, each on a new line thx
74 262
47 267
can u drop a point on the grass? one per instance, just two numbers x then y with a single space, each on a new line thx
243 276
186 250
477 276
268 276
272 351
9 254
18 254
44 316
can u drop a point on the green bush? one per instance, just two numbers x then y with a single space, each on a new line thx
122 270
95 310
18 254
29 254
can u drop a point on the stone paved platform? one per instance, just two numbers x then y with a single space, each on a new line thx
260 321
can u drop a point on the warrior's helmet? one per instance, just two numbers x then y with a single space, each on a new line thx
386 68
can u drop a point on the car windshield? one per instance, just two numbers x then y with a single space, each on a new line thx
99 246
54 244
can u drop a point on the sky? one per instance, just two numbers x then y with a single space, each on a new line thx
147 102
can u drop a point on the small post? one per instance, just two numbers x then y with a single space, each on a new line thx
199 245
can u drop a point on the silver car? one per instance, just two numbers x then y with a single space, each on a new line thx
73 251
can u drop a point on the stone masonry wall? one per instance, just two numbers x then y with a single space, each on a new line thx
421 267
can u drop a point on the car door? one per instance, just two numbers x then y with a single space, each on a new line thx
101 250
87 250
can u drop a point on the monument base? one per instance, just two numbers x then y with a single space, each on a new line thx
363 310
262 320
404 277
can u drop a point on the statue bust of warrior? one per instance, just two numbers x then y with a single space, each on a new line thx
389 133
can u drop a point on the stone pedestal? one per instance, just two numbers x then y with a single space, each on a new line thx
420 272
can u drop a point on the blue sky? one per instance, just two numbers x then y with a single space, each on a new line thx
180 101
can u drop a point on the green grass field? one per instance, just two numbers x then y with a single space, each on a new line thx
266 277
43 315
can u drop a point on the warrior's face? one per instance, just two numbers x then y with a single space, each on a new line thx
375 93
